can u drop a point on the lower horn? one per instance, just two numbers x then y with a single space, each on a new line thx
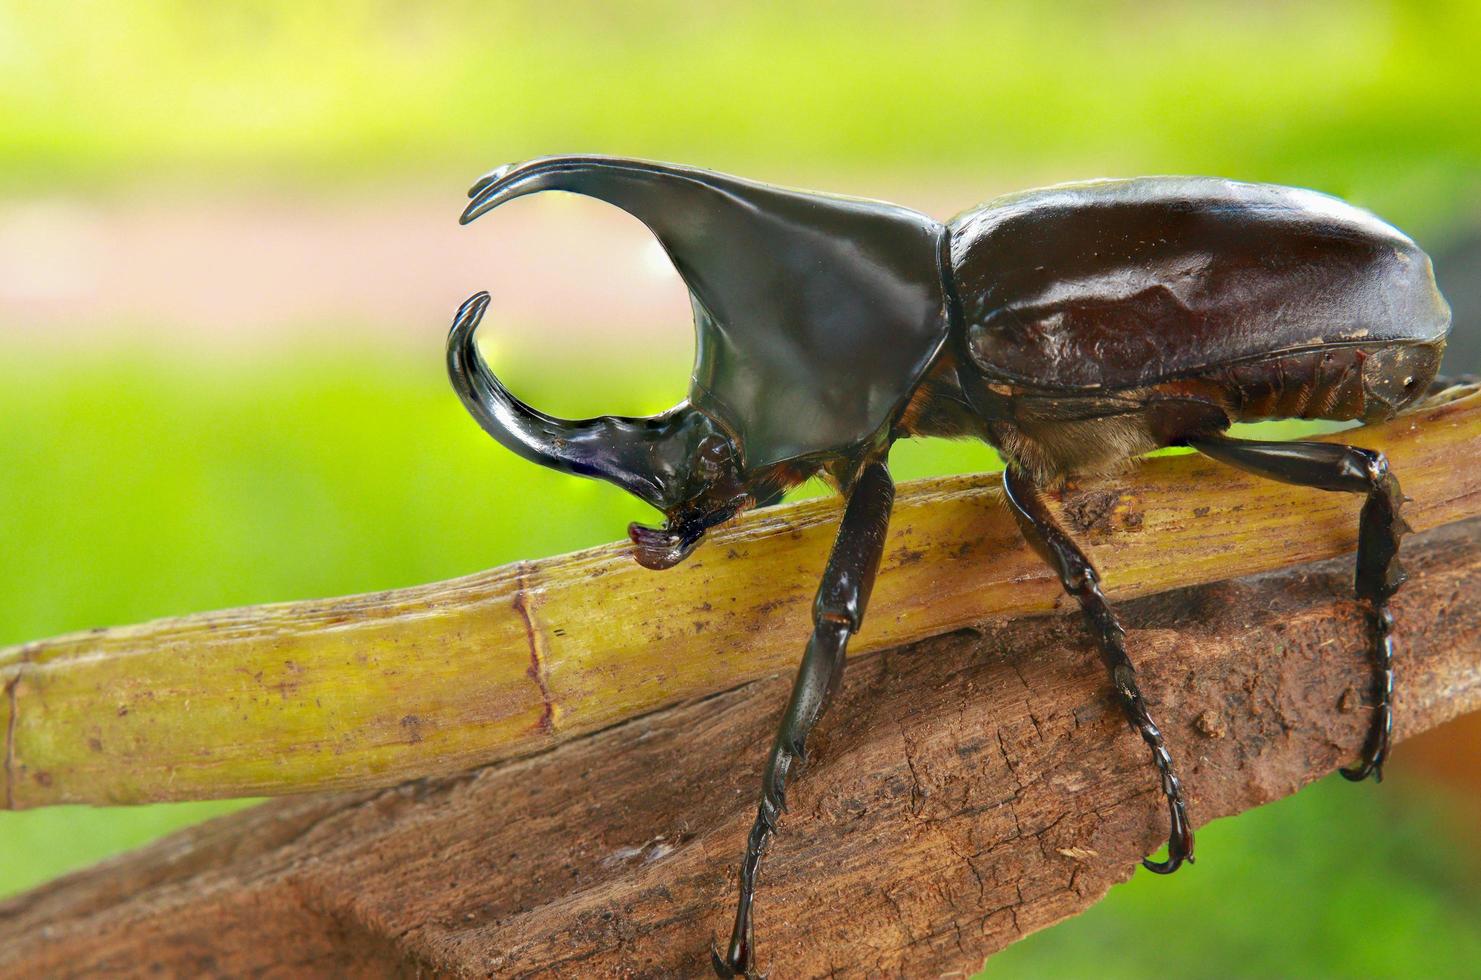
606 448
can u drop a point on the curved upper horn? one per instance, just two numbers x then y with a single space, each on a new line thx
619 450
615 180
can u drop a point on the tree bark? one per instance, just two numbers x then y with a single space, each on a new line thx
964 791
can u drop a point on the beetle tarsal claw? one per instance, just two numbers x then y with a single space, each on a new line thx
717 962
722 968
1179 838
725 970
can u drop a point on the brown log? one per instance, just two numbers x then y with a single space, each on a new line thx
965 791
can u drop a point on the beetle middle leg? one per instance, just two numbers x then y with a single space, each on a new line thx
838 612
1329 466
1079 578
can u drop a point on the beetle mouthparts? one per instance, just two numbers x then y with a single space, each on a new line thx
660 548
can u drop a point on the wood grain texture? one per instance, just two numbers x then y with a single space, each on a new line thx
376 689
964 791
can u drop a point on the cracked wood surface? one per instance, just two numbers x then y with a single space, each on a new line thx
372 690
964 791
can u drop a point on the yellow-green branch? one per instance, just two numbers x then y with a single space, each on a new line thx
375 689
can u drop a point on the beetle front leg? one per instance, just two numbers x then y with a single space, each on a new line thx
1079 578
1328 466
837 614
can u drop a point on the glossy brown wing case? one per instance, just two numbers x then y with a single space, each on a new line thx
1117 284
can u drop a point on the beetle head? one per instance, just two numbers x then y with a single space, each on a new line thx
814 315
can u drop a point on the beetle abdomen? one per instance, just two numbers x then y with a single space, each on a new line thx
1337 383
1132 283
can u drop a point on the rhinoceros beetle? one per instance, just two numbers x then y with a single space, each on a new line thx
1072 328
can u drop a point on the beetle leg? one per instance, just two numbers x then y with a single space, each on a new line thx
1327 466
837 613
1079 578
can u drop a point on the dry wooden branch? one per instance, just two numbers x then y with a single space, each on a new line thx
371 690
964 791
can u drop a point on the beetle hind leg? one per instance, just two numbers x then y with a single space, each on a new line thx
1079 578
1379 575
1349 469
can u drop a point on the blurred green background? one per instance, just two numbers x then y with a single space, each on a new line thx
223 293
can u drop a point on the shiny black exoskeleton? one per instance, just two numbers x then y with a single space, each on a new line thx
1073 328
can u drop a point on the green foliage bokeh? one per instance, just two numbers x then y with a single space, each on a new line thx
1370 99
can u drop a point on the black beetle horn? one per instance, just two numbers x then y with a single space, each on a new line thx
619 450
813 313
